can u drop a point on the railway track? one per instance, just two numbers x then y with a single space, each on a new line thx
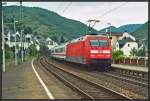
141 81
127 78
120 83
140 76
86 88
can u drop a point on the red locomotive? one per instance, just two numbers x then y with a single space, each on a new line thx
91 50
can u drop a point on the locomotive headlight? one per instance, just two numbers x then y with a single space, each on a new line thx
106 51
94 51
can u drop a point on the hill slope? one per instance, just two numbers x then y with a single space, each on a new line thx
142 33
129 28
46 22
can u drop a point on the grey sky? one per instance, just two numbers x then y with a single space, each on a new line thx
127 13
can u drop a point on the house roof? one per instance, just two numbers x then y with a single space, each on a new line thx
121 43
124 41
114 33
128 39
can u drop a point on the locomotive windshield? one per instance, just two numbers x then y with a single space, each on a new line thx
101 43
94 43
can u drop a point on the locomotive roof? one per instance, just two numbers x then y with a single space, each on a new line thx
84 37
78 39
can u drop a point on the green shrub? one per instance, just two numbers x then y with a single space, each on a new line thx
32 50
117 55
133 52
7 54
141 52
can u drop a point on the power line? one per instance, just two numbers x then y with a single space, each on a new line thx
113 9
67 7
58 7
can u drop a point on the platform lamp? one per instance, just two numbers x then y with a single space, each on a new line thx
110 30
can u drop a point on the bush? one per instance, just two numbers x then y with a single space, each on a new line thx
136 52
8 52
141 52
133 52
117 55
32 50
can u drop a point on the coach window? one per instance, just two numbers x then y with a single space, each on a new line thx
94 43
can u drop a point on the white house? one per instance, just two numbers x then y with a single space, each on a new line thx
119 36
125 34
50 43
126 44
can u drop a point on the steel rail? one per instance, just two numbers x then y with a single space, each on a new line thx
76 89
92 83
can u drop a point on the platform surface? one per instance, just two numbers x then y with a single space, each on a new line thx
20 82
128 67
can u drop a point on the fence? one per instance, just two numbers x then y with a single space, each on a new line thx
135 61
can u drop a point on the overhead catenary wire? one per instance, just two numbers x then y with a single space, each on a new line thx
67 7
111 10
57 9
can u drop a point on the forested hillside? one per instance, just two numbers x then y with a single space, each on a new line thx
45 22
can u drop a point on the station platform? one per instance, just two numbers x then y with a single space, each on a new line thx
129 67
21 82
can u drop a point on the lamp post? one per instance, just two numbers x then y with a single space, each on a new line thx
110 28
21 36
15 43
3 39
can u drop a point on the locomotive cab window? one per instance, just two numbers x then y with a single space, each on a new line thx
103 43
94 43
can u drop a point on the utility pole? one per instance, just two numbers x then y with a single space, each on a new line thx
3 39
21 38
15 43
110 28
3 43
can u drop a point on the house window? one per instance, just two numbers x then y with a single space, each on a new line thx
128 45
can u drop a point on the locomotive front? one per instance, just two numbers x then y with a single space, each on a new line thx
98 52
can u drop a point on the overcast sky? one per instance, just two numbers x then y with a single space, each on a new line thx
117 13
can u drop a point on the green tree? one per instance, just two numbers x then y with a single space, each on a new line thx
27 30
133 52
141 52
8 52
32 50
44 50
62 40
54 38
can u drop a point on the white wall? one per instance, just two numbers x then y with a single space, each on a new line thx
127 49
12 44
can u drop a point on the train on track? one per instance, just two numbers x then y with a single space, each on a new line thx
91 50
